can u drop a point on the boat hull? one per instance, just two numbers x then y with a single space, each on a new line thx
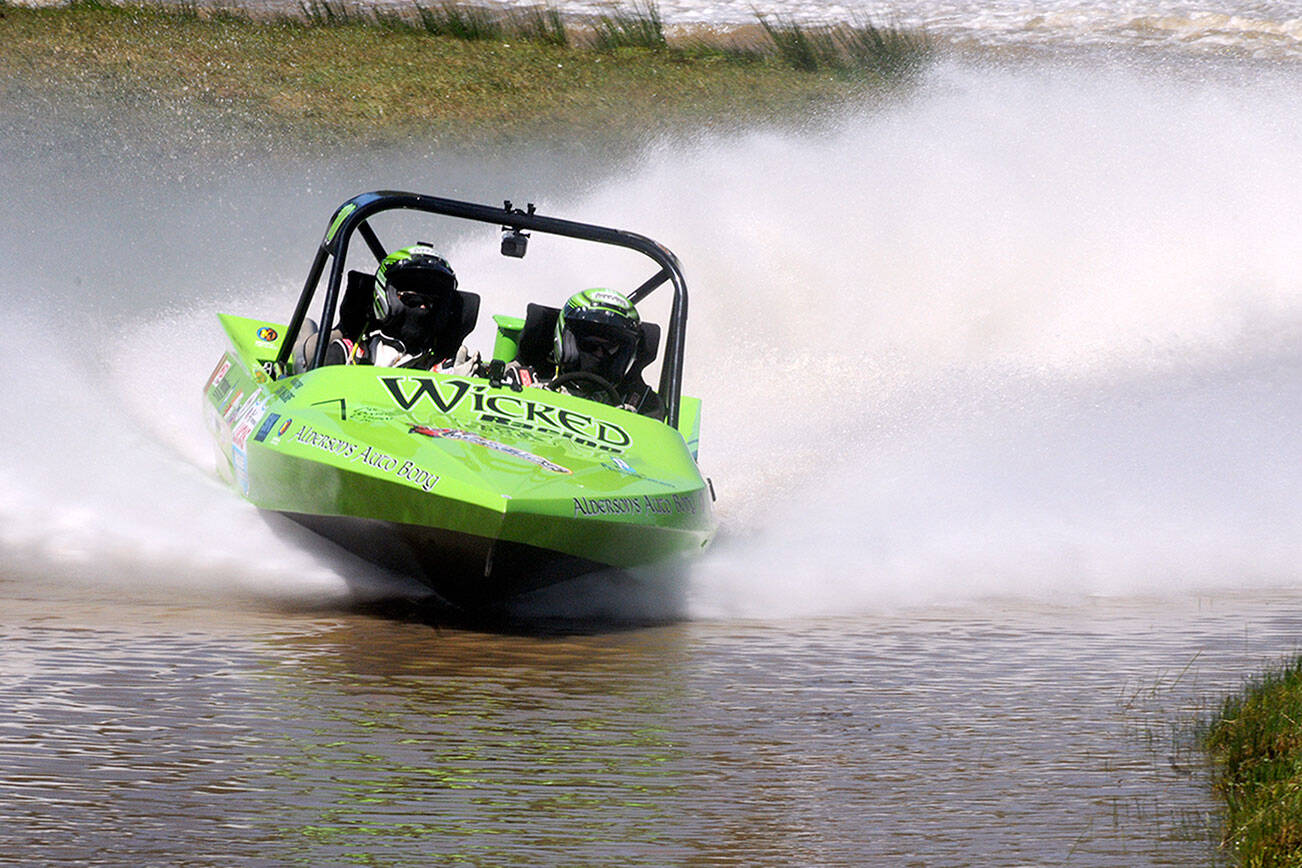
466 571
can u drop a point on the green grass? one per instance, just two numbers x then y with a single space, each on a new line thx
1256 741
452 73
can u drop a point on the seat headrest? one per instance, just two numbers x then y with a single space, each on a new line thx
537 339
647 346
356 304
464 323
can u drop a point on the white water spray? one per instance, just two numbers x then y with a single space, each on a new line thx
1025 334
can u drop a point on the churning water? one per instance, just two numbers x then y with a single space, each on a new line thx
1002 390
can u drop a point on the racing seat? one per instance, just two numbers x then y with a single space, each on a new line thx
647 347
536 340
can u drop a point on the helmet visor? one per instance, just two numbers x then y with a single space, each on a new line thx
604 350
418 300
429 280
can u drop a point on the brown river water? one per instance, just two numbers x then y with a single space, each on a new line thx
993 733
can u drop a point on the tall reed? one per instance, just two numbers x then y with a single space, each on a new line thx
638 27
461 21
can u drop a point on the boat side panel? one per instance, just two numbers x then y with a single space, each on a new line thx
255 341
235 403
453 454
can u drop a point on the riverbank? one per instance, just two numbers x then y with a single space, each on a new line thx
333 76
1256 741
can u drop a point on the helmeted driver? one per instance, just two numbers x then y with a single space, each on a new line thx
598 332
414 305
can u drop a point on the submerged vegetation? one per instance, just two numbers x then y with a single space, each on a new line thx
441 70
1256 741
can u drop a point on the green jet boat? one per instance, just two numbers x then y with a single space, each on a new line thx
481 489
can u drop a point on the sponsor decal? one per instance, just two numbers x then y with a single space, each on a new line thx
660 504
268 334
285 388
619 465
247 417
339 221
219 393
218 373
230 408
218 385
240 433
601 296
479 440
373 415
369 455
267 424
508 409
240 464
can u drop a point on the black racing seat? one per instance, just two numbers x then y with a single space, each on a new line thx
647 347
537 339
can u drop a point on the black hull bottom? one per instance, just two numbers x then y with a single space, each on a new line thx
469 572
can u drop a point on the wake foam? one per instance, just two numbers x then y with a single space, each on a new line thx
1022 334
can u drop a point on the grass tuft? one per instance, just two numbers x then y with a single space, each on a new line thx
861 48
1257 742
638 27
887 51
802 48
471 23
541 24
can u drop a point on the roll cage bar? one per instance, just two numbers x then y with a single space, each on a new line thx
352 216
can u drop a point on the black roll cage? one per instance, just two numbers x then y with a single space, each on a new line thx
352 217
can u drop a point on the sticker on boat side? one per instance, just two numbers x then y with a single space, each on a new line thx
373 415
369 455
619 465
478 440
247 417
516 411
267 424
218 372
240 465
646 504
232 405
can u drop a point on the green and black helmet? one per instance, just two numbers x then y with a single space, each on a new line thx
597 331
415 296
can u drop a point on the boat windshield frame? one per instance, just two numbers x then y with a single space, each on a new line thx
352 216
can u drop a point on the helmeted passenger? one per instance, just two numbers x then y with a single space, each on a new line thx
598 334
415 316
